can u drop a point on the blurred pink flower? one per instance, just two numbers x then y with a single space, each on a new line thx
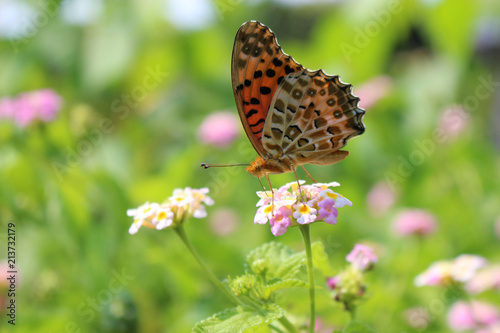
438 273
373 90
224 221
453 121
4 267
459 270
465 266
414 222
219 129
380 198
494 328
473 315
485 279
362 257
30 106
333 282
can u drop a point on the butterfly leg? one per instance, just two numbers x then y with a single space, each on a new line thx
272 192
298 183
308 174
262 185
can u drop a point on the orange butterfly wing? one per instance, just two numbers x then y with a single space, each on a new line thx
258 66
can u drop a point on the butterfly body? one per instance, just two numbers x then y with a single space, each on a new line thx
292 116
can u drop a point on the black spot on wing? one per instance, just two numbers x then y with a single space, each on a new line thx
265 90
251 113
260 121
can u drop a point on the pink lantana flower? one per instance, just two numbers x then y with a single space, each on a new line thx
183 203
304 213
219 129
333 282
280 221
473 315
380 198
465 266
460 270
373 90
27 107
362 257
439 273
485 279
414 222
493 328
340 201
293 205
327 211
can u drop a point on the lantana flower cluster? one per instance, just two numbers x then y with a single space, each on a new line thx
348 287
293 205
183 204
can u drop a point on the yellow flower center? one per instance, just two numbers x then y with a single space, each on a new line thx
304 209
268 209
332 195
161 215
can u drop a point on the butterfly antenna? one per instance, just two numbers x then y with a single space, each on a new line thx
206 165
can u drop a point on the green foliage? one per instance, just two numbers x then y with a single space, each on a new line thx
239 319
355 327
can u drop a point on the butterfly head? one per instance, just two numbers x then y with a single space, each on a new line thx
260 167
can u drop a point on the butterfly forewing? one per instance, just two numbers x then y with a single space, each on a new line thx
312 115
258 67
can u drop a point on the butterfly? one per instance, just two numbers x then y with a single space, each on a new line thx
292 115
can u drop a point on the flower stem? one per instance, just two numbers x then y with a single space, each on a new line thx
182 235
304 230
179 230
353 313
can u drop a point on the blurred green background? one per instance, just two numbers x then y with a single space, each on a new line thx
411 62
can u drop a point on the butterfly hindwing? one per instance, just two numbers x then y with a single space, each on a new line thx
311 117
258 66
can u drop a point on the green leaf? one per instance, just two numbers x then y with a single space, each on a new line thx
239 319
280 261
283 284
357 327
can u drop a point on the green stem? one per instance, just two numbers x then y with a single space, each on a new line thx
304 230
353 313
288 325
179 230
182 235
